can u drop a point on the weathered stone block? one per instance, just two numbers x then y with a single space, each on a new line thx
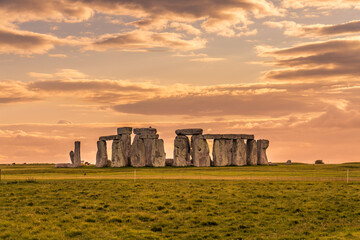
251 152
137 153
101 155
228 136
77 157
126 139
149 136
239 154
158 155
150 131
189 131
72 154
124 130
200 151
262 145
118 156
181 151
222 152
109 138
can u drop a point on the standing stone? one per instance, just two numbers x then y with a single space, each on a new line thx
239 156
118 156
158 156
101 155
77 158
200 151
181 151
137 153
126 139
221 152
262 145
251 152
72 156
149 145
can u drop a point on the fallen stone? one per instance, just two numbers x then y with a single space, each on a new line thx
262 145
149 136
77 157
109 138
63 165
150 131
239 155
251 152
124 130
228 136
72 156
126 139
181 151
118 156
189 131
137 153
101 155
221 152
199 151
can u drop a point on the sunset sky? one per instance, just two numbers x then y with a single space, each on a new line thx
284 70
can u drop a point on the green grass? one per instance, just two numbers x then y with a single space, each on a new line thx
41 202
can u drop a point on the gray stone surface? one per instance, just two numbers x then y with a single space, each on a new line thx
77 157
149 145
181 151
251 152
124 130
228 136
158 155
137 153
118 157
222 152
126 139
262 145
199 151
149 131
101 155
72 154
109 138
189 131
64 165
239 155
149 136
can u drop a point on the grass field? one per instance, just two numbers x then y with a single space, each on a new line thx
262 202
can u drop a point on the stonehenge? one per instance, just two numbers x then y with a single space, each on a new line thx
191 148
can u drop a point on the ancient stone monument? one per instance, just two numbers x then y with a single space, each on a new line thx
147 150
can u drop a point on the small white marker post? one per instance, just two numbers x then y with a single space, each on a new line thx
134 175
347 177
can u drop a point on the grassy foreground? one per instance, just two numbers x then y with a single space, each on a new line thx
282 202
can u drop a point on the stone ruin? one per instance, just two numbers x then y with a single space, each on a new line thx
75 158
147 150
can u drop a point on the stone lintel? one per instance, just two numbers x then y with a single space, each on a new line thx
109 138
228 136
189 131
149 131
149 136
124 130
